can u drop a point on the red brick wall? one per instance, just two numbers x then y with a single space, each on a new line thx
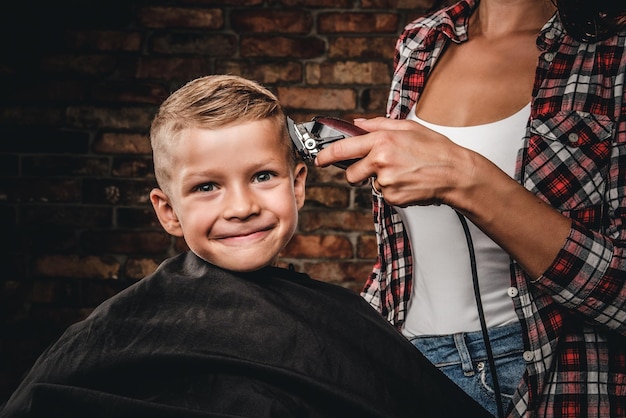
80 83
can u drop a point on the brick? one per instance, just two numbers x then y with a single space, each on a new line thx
370 47
285 263
122 143
179 17
349 274
339 4
126 242
330 174
417 14
348 72
375 99
358 22
122 117
117 191
138 268
363 197
327 196
264 72
73 266
133 92
399 4
277 21
65 166
317 98
282 46
173 68
180 245
328 246
366 246
215 45
366 115
132 167
335 220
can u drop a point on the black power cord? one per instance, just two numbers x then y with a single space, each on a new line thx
481 315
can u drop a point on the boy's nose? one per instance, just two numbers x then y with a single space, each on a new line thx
240 203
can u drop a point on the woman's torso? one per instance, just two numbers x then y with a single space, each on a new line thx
443 296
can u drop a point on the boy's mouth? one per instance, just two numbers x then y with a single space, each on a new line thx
244 235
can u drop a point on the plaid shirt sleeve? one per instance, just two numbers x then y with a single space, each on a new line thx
574 157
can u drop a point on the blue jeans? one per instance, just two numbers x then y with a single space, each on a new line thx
463 358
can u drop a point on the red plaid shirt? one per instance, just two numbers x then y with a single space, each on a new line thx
574 157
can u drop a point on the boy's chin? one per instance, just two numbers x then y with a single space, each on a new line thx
239 266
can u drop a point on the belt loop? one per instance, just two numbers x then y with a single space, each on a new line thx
466 359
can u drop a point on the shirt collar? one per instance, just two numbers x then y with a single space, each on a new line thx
451 21
551 33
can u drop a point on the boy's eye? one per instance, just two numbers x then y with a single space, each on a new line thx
206 187
263 176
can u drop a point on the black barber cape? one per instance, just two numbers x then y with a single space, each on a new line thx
192 340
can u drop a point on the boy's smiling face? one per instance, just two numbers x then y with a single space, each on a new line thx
233 194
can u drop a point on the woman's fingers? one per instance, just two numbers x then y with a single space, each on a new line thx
358 147
355 147
385 124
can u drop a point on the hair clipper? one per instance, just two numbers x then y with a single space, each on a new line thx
312 137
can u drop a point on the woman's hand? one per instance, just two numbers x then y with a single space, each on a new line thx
409 163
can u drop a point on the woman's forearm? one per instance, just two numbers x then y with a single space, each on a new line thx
526 227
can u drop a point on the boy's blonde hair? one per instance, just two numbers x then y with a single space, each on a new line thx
211 102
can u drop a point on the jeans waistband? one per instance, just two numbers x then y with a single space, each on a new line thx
467 347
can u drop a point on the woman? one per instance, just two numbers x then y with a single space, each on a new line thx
510 114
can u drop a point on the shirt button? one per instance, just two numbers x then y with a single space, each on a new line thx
512 292
528 355
573 138
550 35
549 56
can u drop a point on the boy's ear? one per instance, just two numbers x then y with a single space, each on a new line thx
299 182
165 212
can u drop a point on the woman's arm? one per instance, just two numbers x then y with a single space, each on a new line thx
414 165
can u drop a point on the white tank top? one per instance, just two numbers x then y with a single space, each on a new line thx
442 300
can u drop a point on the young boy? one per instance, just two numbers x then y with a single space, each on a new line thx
228 176
218 330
